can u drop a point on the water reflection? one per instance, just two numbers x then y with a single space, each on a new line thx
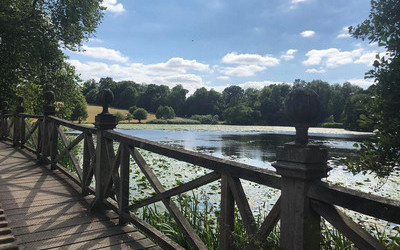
254 148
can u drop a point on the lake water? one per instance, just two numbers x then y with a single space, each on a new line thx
256 145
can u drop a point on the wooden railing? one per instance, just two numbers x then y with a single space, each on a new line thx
105 173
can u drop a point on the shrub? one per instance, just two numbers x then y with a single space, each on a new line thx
165 112
140 114
331 125
173 121
119 116
206 119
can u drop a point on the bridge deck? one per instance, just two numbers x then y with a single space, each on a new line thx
44 210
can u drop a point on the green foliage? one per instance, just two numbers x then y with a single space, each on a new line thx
165 112
206 119
79 112
120 117
382 155
331 125
132 109
241 114
129 117
31 60
173 121
140 114
356 107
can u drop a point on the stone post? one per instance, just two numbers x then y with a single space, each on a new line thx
19 129
300 163
4 124
47 131
103 121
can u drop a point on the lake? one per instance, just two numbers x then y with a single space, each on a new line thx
256 146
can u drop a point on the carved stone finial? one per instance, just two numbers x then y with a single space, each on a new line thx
49 108
302 107
107 99
20 107
105 120
49 96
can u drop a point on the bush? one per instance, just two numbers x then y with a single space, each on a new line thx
331 125
119 116
173 121
132 109
165 112
206 119
140 114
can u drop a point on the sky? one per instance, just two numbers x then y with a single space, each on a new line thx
218 43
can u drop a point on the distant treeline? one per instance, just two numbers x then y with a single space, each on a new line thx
341 104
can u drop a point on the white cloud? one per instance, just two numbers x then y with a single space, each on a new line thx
361 82
95 40
344 33
113 6
367 58
289 54
294 3
174 71
333 57
103 53
317 71
250 59
246 85
248 64
242 70
307 33
224 78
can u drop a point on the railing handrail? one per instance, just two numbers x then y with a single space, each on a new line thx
69 124
235 169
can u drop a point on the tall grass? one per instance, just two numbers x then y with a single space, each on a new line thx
204 219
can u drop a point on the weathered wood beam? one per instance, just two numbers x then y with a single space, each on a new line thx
350 229
169 204
198 182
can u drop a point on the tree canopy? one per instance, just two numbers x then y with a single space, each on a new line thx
32 34
382 155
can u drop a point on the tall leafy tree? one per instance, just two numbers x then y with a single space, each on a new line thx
382 27
32 34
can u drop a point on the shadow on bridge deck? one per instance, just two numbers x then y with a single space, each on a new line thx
44 210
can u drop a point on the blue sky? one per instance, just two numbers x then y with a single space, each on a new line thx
217 43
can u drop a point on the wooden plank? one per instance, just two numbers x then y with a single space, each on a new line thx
227 215
347 226
159 237
198 182
243 205
83 128
369 204
87 236
235 169
259 239
123 194
63 222
179 218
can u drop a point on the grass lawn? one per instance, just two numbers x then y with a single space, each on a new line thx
93 110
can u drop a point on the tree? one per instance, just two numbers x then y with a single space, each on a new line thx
140 114
382 155
32 34
241 115
177 98
119 116
165 112
79 112
132 109
232 95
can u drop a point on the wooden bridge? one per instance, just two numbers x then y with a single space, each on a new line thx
52 199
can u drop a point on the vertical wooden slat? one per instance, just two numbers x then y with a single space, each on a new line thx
86 165
39 139
53 144
16 130
227 215
123 201
22 131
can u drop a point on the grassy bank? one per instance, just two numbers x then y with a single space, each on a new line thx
94 110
